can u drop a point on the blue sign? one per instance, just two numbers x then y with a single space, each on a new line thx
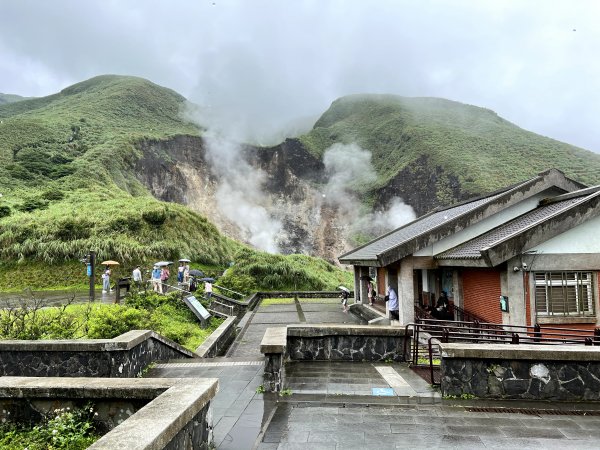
89 270
387 392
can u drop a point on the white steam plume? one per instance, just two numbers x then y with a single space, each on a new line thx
239 195
349 168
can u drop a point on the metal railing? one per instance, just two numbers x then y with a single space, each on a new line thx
436 331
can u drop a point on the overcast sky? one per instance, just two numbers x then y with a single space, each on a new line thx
258 65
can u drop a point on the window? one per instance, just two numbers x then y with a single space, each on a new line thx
564 293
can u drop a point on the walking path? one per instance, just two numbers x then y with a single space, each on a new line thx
354 405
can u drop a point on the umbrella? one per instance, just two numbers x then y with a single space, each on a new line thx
343 288
184 260
196 273
163 263
366 277
208 279
109 263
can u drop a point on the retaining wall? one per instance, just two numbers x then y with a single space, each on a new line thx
157 413
527 372
125 356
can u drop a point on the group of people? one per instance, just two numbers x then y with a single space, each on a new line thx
159 277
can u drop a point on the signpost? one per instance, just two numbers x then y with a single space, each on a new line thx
197 308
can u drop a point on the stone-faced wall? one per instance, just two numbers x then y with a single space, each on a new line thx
122 357
528 372
345 343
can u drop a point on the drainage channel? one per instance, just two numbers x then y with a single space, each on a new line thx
534 412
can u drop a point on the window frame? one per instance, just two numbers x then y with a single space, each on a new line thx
554 289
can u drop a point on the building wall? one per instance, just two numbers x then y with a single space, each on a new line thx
481 293
584 238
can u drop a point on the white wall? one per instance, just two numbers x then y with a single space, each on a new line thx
584 238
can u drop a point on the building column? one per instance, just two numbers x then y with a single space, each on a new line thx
515 290
406 291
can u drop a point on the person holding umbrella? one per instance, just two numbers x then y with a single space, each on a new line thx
344 296
106 275
106 280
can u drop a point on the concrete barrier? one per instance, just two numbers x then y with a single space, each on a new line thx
156 413
525 371
122 357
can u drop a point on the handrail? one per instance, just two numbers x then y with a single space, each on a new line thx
230 290
461 331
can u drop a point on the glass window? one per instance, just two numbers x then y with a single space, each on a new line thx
564 293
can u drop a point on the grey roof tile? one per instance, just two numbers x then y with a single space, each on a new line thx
472 249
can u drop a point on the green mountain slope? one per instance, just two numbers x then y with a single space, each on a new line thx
482 150
10 98
68 186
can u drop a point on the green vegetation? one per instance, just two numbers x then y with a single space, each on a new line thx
263 271
68 184
69 429
165 314
277 301
481 150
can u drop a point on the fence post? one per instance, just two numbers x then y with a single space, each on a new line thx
515 338
597 336
445 335
537 332
588 341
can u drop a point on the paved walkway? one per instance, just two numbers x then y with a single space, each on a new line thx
353 405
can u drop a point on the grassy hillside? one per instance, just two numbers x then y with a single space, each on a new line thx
483 150
68 187
10 98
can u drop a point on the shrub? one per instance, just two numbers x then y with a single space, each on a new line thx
71 229
155 217
53 194
31 204
107 323
61 429
5 211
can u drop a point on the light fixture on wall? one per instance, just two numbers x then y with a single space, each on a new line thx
516 269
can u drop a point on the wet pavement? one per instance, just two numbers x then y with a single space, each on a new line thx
54 298
361 405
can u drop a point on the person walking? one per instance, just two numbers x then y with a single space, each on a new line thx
392 297
180 272
106 281
371 293
344 295
156 279
208 289
164 277
137 276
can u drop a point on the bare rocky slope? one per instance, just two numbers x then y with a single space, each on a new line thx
177 170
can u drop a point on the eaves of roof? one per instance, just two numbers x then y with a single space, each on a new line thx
439 224
530 229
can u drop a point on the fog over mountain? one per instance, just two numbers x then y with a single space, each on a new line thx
265 69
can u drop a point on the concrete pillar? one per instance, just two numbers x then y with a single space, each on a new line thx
513 286
406 292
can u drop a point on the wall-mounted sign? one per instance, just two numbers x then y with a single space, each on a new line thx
503 303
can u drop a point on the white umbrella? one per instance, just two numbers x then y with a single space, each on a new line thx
343 288
184 260
163 263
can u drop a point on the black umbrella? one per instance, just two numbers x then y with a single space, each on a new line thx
196 273
208 279
366 277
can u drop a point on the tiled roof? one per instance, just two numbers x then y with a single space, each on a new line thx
472 249
421 226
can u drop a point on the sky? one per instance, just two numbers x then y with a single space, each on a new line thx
263 69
